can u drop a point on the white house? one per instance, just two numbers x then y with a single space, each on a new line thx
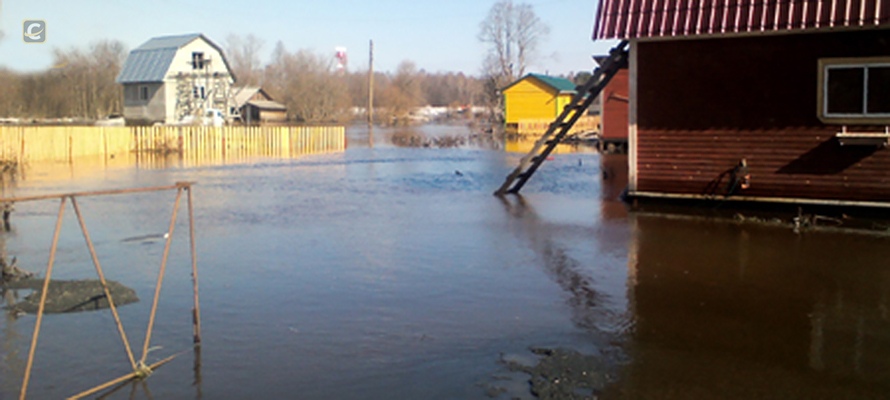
169 78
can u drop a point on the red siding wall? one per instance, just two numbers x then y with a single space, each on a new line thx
615 106
705 104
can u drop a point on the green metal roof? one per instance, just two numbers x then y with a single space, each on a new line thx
561 85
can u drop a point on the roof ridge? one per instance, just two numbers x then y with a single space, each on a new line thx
556 82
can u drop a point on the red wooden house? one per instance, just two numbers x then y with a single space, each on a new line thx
613 112
757 100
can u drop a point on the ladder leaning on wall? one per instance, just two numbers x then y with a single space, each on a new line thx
618 58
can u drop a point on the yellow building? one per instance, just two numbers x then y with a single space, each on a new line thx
536 97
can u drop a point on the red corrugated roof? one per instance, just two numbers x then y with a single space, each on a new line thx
627 19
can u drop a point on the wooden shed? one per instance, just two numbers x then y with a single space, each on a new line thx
613 109
255 106
536 100
776 101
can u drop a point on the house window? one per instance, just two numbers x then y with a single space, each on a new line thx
198 92
198 60
854 90
143 92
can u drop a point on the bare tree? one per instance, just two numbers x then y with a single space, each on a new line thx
308 85
401 93
512 33
243 53
10 106
450 89
85 80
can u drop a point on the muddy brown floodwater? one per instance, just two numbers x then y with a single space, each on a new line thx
390 271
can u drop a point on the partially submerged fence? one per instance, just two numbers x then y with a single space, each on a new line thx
228 143
139 367
24 144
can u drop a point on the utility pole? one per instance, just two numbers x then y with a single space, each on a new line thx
371 93
371 86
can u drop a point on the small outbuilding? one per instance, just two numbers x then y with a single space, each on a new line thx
255 106
613 109
533 102
537 96
758 101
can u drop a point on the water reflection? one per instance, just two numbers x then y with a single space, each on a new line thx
562 268
135 387
726 310
439 136
97 166
613 169
12 364
453 136
524 143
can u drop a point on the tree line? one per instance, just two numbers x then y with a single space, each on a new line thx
81 84
315 90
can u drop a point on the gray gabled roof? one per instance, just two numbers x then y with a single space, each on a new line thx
151 61
243 94
268 105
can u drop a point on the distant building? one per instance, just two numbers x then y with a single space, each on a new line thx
780 102
537 96
169 78
255 106
534 101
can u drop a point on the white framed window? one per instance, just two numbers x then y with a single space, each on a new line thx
197 60
143 92
198 92
854 90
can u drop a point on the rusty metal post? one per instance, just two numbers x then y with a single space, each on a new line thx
42 306
196 312
117 318
154 306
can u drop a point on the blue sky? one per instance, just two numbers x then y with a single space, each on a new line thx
437 36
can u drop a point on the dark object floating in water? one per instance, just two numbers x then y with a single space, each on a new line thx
69 296
145 238
11 271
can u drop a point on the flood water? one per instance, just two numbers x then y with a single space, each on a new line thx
390 271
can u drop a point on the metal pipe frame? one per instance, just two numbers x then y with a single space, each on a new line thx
140 369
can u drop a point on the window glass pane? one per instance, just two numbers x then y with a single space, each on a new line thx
879 90
845 86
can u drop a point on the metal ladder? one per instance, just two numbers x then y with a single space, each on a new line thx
582 100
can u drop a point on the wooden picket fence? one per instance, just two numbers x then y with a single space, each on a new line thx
27 144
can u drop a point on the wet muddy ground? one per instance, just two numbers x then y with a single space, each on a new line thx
64 296
390 271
